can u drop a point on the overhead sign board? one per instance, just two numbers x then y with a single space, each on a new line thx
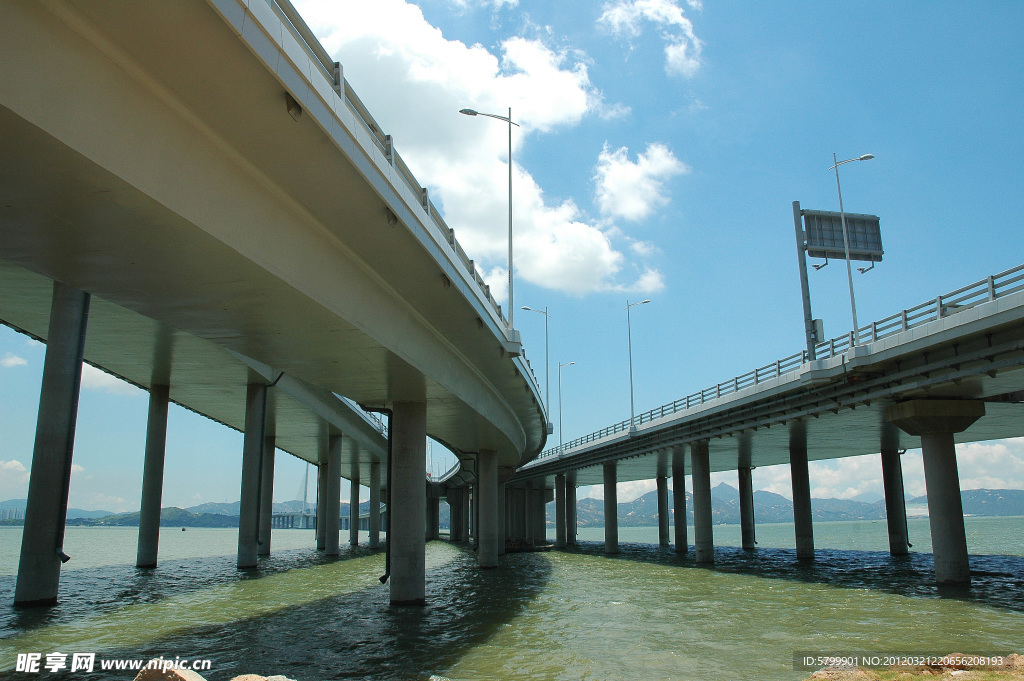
824 233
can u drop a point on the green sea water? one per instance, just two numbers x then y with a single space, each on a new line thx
643 614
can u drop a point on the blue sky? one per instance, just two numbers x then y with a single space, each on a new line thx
662 143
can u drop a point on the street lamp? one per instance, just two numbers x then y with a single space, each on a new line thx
547 383
846 238
629 337
508 119
561 440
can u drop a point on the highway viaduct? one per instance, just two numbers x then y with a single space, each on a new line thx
192 198
948 370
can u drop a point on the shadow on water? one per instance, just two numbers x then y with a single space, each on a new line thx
352 636
996 581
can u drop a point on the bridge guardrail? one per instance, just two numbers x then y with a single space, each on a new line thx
334 74
991 288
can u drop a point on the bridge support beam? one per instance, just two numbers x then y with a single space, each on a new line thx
679 497
895 502
704 540
540 515
332 497
935 421
560 511
433 517
266 493
353 508
611 508
747 536
663 511
252 456
373 519
487 483
505 473
153 477
408 543
570 509
467 516
528 512
454 496
803 524
42 544
321 503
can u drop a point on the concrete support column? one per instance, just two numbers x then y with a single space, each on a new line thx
541 514
373 519
433 518
332 500
895 502
153 477
252 451
454 496
679 497
611 509
530 524
935 421
465 514
321 504
703 539
746 484
266 493
353 510
409 498
487 484
505 473
570 509
42 544
560 511
663 511
803 524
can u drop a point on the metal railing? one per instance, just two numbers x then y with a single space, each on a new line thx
334 74
991 288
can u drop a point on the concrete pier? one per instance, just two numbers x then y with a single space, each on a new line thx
704 541
935 421
153 477
487 483
373 518
746 486
570 509
803 525
409 500
433 518
332 497
560 511
679 497
895 502
266 493
321 505
611 508
540 514
663 511
42 545
353 509
252 449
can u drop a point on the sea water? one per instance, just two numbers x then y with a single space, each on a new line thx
646 613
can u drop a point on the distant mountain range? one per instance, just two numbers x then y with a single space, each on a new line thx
641 512
774 508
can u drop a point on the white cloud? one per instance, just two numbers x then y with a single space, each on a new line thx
13 479
11 360
95 379
633 190
404 64
625 18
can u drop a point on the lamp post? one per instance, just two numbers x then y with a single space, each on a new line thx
547 383
629 338
508 119
846 238
561 440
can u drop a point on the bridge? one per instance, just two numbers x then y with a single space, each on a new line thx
193 199
948 370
